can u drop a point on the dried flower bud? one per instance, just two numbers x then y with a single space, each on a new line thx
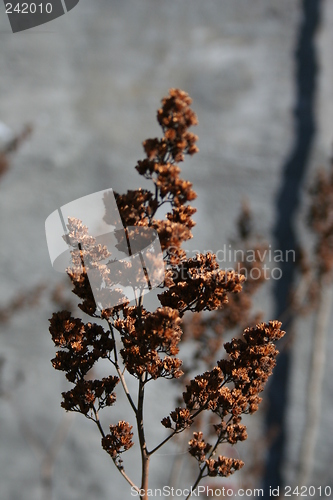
198 448
146 337
223 466
119 440
81 344
198 284
182 418
82 398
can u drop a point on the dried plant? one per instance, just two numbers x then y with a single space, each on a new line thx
204 333
208 331
12 146
31 297
150 340
317 298
22 301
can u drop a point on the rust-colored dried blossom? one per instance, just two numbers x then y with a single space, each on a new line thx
202 392
85 393
87 256
198 448
175 117
150 339
81 345
249 364
171 234
181 419
223 466
236 432
81 243
134 207
148 335
138 207
118 440
207 331
198 284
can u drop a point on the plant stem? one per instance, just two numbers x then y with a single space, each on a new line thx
202 469
120 373
143 446
121 470
164 441
181 430
212 452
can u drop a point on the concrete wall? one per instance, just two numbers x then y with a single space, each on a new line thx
90 84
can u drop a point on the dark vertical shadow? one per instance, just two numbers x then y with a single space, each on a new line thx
306 68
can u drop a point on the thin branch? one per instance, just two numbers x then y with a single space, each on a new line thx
187 308
142 440
225 381
202 469
120 373
121 470
212 452
165 441
97 422
176 431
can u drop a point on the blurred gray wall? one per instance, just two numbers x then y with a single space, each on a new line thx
90 83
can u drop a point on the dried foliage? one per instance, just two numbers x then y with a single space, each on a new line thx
208 331
150 339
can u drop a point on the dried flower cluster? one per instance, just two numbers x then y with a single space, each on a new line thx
249 364
208 331
150 339
146 338
118 440
198 284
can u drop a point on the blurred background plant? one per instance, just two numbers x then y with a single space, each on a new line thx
29 299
